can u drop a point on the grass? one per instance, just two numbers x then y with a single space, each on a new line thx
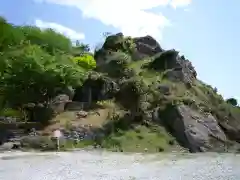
200 96
8 112
69 144
137 65
140 139
106 103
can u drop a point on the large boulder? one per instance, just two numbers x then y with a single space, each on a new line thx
177 67
228 118
43 112
114 43
57 104
231 126
195 131
138 48
146 46
69 91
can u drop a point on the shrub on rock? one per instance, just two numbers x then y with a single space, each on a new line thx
86 61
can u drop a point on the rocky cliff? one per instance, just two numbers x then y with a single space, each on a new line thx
153 88
160 86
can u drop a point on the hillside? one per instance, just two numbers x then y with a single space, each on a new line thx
136 97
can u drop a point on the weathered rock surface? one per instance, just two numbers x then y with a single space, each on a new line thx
178 68
164 89
146 46
69 91
95 89
195 131
232 128
58 103
42 112
138 48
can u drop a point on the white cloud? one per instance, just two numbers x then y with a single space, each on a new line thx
180 3
61 29
132 17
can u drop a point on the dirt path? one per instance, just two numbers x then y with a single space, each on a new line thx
94 118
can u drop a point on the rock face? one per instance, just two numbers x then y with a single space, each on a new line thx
112 45
44 112
146 46
69 91
58 103
195 131
95 89
164 89
232 128
139 47
179 69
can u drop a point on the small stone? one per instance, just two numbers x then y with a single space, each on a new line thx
81 114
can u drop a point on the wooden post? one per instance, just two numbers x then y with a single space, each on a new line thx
58 144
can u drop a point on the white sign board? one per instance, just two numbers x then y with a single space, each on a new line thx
57 134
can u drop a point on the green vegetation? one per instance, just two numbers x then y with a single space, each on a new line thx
139 139
119 43
232 101
8 112
34 63
85 61
200 96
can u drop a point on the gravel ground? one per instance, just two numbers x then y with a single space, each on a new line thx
93 165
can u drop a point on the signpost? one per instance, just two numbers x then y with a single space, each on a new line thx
56 135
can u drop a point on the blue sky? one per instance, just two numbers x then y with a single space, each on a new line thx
205 31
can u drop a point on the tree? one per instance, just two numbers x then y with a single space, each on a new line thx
232 101
9 35
80 49
47 39
33 64
33 75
